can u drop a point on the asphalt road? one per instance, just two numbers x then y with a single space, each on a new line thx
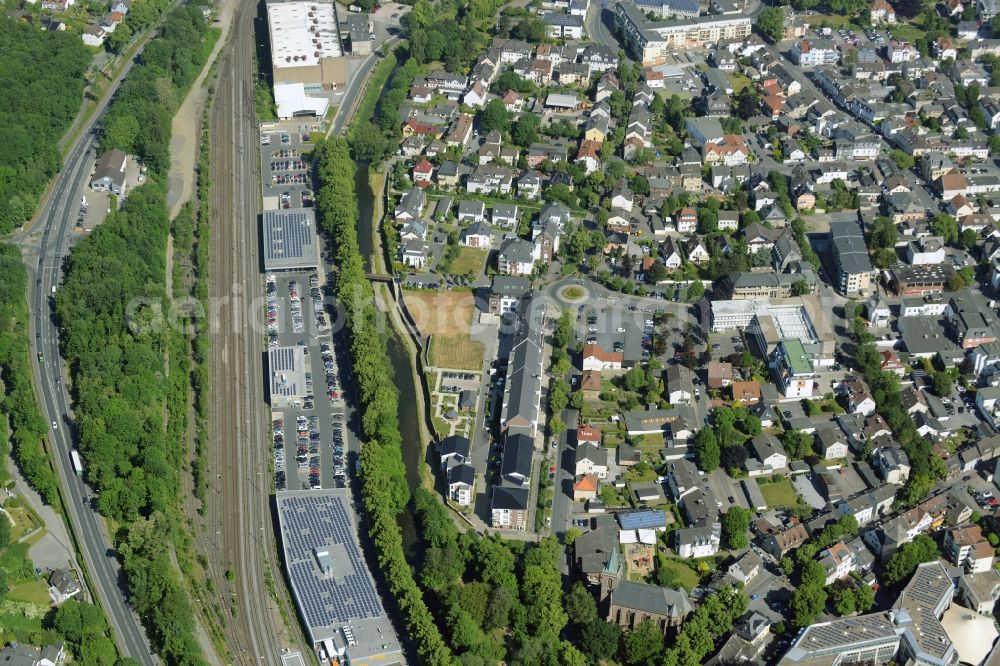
46 242
56 221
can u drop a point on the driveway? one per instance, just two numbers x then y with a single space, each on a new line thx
808 491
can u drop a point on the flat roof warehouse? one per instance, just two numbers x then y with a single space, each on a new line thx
290 240
332 585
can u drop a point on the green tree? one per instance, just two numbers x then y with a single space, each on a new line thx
905 561
368 143
807 602
581 605
707 452
946 227
695 290
494 116
771 23
902 159
599 640
643 644
735 525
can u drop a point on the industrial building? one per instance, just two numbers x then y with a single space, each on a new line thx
330 580
287 366
305 44
290 240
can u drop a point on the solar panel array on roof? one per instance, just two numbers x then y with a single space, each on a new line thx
347 592
642 520
289 239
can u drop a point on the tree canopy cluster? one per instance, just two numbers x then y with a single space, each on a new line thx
138 121
112 334
449 31
383 475
42 77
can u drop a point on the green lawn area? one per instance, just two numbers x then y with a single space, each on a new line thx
469 260
739 81
36 592
779 493
685 574
22 521
650 442
906 32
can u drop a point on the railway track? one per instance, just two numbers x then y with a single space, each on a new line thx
238 537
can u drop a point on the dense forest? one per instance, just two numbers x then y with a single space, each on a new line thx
42 78
138 120
114 337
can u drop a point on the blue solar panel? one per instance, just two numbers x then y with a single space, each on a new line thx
348 593
642 520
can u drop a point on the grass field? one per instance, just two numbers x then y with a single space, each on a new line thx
441 313
469 260
739 81
685 574
36 592
780 493
22 521
456 351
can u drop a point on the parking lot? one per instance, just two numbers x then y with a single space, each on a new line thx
310 446
285 168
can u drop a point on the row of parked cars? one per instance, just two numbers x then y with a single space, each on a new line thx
272 310
317 302
278 435
339 464
298 323
333 388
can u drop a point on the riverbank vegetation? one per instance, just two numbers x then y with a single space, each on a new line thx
383 475
42 75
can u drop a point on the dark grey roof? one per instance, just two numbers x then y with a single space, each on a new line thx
517 250
463 473
523 383
514 499
516 459
511 285
595 454
455 445
652 599
849 245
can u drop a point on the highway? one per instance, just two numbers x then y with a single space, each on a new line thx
56 220
45 243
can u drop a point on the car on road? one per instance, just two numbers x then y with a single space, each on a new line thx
55 426
754 597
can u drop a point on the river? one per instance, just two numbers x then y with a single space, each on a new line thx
399 358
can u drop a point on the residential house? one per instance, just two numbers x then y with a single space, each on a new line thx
966 546
461 484
516 257
857 396
411 205
837 561
509 508
591 459
595 358
781 541
980 591
585 488
720 374
470 211
746 568
831 443
768 455
62 586
109 173
477 234
892 464
680 384
694 542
